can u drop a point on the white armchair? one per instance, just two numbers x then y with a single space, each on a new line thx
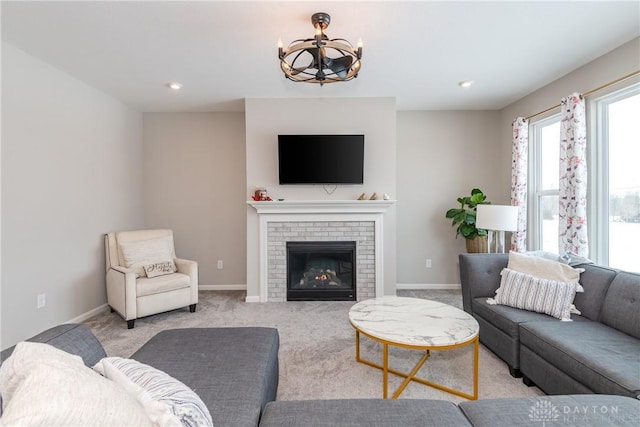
144 277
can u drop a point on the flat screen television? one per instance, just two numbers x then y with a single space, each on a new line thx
321 159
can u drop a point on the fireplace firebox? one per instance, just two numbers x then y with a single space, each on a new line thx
322 271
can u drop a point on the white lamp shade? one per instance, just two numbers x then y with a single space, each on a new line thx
497 217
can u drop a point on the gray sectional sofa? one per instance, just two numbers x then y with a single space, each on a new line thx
235 373
598 352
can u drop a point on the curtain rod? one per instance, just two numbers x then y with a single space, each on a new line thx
604 86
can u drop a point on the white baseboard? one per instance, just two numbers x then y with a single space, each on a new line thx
252 299
89 314
427 286
222 287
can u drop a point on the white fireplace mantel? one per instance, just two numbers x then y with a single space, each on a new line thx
321 210
322 206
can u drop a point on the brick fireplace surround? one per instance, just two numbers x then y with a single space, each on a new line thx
306 220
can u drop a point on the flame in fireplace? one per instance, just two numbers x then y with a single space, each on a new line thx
317 277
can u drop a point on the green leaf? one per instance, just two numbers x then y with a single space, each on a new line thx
452 213
467 229
464 217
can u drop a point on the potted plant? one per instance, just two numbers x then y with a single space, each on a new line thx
464 219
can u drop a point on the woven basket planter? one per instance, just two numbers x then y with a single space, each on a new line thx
477 245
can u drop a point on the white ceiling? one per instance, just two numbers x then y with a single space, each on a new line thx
223 52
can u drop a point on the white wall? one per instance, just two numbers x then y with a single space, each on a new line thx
373 117
442 155
71 171
194 183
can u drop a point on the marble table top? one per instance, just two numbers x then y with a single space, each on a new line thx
413 321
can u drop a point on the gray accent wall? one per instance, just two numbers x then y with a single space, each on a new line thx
442 155
194 183
71 171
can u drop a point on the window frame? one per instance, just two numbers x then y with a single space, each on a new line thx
535 193
598 163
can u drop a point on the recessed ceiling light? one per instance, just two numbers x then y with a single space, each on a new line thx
465 83
174 86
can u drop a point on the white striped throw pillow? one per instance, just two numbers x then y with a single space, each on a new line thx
142 380
531 293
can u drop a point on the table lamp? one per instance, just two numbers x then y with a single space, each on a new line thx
497 219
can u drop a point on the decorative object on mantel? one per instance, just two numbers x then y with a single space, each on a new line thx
363 196
464 218
385 196
320 59
374 196
260 195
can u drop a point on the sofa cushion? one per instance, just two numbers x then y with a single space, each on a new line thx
143 380
166 283
543 268
600 357
480 276
531 293
233 370
621 308
42 385
583 410
508 318
363 412
595 280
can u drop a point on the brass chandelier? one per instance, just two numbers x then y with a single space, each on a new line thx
320 59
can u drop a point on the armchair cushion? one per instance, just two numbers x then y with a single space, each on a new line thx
155 285
137 254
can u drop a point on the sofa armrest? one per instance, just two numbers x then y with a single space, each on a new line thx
121 287
190 268
74 338
480 276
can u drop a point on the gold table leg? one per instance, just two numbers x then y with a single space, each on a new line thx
412 375
385 369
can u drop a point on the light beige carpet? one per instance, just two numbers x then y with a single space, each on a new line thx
317 349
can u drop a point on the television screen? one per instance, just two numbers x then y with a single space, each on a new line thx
321 159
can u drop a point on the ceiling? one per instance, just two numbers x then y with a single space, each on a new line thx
225 51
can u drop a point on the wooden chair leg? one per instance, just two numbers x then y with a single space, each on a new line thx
130 323
192 308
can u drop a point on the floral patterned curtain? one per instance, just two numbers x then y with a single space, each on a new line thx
519 166
573 177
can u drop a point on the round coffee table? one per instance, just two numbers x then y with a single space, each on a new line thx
415 324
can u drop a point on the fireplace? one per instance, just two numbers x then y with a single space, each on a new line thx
321 271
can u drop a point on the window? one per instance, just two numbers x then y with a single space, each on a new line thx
616 178
544 184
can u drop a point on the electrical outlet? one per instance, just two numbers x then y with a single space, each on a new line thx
42 300
220 264
427 263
